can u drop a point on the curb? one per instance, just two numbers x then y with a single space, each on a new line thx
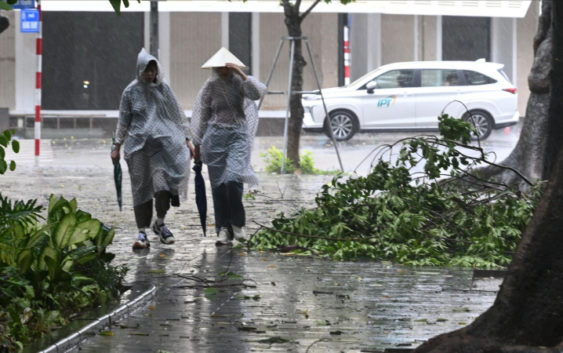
70 342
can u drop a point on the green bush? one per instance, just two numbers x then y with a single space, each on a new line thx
273 158
51 271
409 218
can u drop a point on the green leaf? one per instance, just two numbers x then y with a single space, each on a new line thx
12 166
116 4
5 6
16 146
106 238
210 293
84 231
64 230
25 259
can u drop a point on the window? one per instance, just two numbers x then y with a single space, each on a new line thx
240 37
437 78
396 79
466 38
89 58
476 78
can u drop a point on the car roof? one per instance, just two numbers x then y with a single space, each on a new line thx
444 64
441 64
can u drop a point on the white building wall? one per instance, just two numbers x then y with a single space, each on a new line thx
526 30
397 37
365 43
503 44
188 39
25 69
7 59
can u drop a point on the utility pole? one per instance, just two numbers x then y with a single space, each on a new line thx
154 29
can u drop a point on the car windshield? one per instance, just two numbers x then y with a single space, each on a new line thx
364 78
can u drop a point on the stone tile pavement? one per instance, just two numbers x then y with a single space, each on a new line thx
226 299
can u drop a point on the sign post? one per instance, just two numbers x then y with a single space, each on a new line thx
24 4
29 21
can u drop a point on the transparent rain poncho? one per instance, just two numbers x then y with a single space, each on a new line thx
224 122
152 129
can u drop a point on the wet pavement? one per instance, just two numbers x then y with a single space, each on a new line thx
225 299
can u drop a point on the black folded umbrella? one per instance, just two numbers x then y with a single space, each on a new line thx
200 198
117 178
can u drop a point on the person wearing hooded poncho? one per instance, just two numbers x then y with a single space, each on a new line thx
223 125
155 136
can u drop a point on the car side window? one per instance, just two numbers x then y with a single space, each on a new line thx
476 78
396 79
439 77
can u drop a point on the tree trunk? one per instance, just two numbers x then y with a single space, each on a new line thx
293 24
527 315
529 156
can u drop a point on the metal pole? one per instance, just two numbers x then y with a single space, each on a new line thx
272 70
38 49
288 103
324 105
346 55
154 28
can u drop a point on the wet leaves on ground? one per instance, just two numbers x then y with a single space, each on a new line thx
272 340
211 293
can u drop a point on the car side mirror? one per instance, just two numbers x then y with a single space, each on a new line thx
371 86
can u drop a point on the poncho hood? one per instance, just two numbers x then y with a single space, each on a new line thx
143 59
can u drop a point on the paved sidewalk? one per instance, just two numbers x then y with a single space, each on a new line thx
211 299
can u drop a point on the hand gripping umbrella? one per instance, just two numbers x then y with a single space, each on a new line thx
117 178
200 198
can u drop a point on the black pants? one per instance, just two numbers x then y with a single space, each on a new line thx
227 203
143 212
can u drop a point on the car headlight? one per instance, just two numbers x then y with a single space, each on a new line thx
310 97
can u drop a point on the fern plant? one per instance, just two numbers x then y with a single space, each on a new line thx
17 220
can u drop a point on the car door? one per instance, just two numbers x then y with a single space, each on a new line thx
390 104
439 88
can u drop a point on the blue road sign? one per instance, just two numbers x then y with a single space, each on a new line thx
24 4
29 21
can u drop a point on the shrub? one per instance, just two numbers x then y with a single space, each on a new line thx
50 271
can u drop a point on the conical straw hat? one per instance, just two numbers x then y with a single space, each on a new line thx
220 58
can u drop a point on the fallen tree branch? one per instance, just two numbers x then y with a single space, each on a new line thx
311 236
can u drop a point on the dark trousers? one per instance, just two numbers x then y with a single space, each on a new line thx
227 203
143 212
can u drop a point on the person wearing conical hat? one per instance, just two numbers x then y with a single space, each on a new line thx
154 133
223 125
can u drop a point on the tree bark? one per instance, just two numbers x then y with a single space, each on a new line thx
293 24
529 156
527 315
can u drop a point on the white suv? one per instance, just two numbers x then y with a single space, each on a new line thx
411 96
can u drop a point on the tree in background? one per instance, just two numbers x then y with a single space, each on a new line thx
293 19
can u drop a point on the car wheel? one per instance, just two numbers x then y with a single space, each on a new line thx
344 125
482 121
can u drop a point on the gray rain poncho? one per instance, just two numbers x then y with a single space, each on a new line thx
152 129
224 122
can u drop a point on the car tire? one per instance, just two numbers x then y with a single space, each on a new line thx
344 125
482 121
